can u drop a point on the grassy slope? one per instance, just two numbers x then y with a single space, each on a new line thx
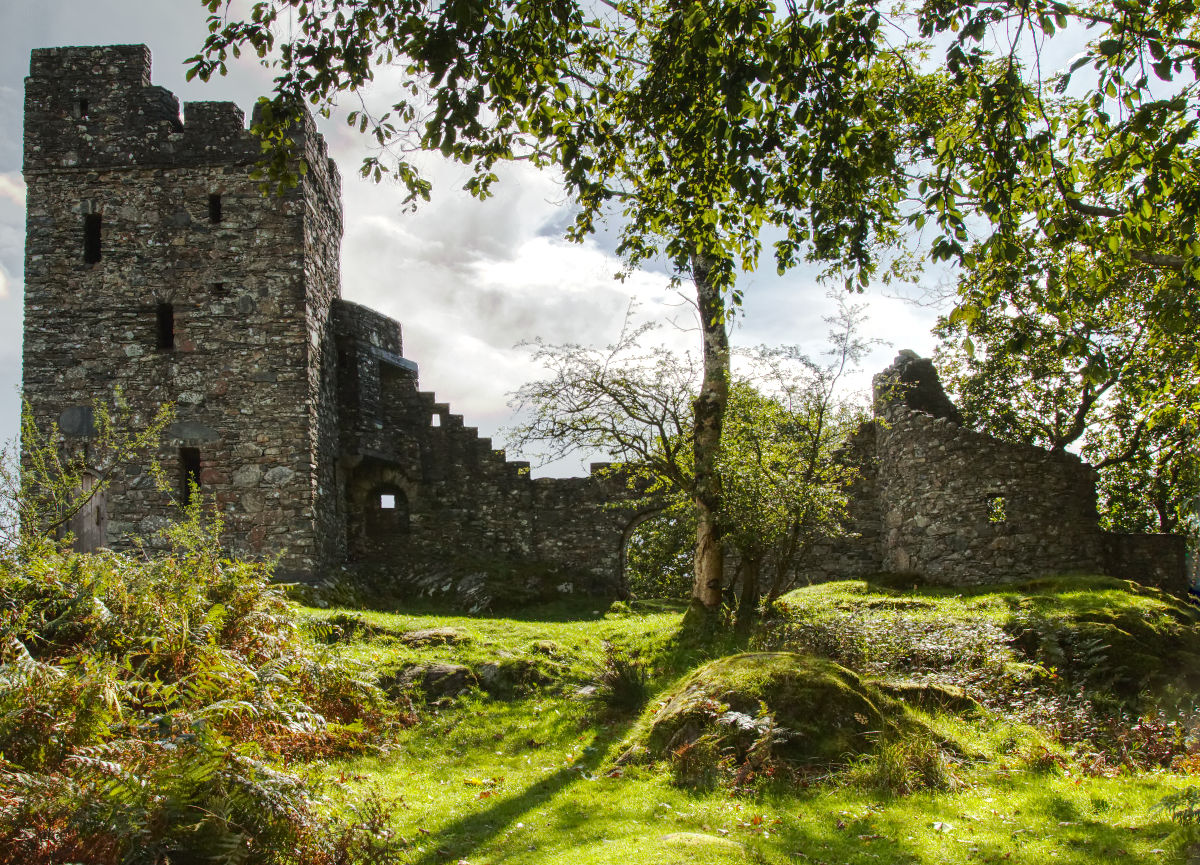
532 779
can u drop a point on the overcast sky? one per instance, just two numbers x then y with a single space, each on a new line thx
467 280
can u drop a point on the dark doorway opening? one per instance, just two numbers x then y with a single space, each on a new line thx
189 474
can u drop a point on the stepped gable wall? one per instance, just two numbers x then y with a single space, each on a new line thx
963 508
960 507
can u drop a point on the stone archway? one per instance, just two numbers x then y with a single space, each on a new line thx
626 535
379 500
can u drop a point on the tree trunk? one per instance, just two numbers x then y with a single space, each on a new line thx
709 411
748 603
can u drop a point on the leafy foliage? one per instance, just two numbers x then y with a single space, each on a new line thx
47 484
148 709
658 555
1103 374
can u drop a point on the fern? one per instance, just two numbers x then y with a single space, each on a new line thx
142 703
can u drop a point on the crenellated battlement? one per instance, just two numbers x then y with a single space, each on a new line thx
94 107
117 65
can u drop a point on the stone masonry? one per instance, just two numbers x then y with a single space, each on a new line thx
156 268
954 506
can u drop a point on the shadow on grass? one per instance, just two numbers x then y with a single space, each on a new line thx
459 839
934 828
551 612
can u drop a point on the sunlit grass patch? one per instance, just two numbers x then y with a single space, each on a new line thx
535 776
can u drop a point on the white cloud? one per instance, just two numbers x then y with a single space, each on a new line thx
12 188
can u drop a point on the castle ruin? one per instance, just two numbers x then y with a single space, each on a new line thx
155 266
954 506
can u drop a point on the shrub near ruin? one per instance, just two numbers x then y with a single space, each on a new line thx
148 710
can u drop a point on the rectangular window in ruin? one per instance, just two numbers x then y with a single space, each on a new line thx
387 501
82 108
91 238
997 508
214 208
436 420
189 474
165 315
219 288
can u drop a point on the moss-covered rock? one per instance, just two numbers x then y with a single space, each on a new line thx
434 637
931 696
1128 639
815 711
508 677
434 680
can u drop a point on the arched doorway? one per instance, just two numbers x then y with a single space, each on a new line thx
656 555
379 518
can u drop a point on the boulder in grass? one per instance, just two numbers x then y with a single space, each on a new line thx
815 712
433 680
434 637
507 677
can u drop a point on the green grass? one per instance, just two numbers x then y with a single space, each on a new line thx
534 778
1093 631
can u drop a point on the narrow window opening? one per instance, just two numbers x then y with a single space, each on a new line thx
82 107
218 288
91 238
436 420
386 521
166 326
189 474
214 208
997 510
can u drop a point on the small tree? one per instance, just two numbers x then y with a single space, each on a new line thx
783 487
786 485
47 481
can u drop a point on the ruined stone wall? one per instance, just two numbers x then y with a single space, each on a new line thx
581 526
465 503
964 508
425 493
186 247
858 553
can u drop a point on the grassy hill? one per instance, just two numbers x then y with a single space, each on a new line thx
860 724
181 710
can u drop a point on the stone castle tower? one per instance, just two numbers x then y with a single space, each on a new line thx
156 267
